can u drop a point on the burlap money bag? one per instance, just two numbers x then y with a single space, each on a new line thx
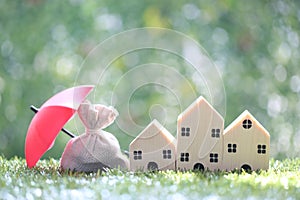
95 149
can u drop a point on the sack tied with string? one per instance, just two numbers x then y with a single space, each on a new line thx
96 149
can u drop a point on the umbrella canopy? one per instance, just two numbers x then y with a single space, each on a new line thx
49 120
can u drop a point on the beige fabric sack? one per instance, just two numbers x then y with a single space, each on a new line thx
95 149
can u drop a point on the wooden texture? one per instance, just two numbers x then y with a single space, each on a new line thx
204 140
202 143
154 148
252 144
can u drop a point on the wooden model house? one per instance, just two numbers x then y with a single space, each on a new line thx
199 137
153 149
202 143
246 144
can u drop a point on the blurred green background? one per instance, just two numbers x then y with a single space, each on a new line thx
255 45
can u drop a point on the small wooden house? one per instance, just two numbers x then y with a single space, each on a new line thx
199 137
153 149
246 144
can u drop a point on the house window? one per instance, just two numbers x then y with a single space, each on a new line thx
261 149
232 148
215 132
184 157
185 131
247 124
167 154
213 157
137 155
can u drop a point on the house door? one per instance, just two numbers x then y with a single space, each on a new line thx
198 167
246 167
152 166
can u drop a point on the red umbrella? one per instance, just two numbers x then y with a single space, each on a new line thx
50 119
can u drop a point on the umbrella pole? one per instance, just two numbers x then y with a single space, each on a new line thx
34 109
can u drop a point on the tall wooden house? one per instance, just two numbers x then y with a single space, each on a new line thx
199 137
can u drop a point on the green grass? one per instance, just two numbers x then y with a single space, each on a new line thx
45 181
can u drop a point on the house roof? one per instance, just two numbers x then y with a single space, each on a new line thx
196 103
157 129
246 115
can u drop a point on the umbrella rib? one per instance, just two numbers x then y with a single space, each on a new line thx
35 110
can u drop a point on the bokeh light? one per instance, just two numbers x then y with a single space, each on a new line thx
255 46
